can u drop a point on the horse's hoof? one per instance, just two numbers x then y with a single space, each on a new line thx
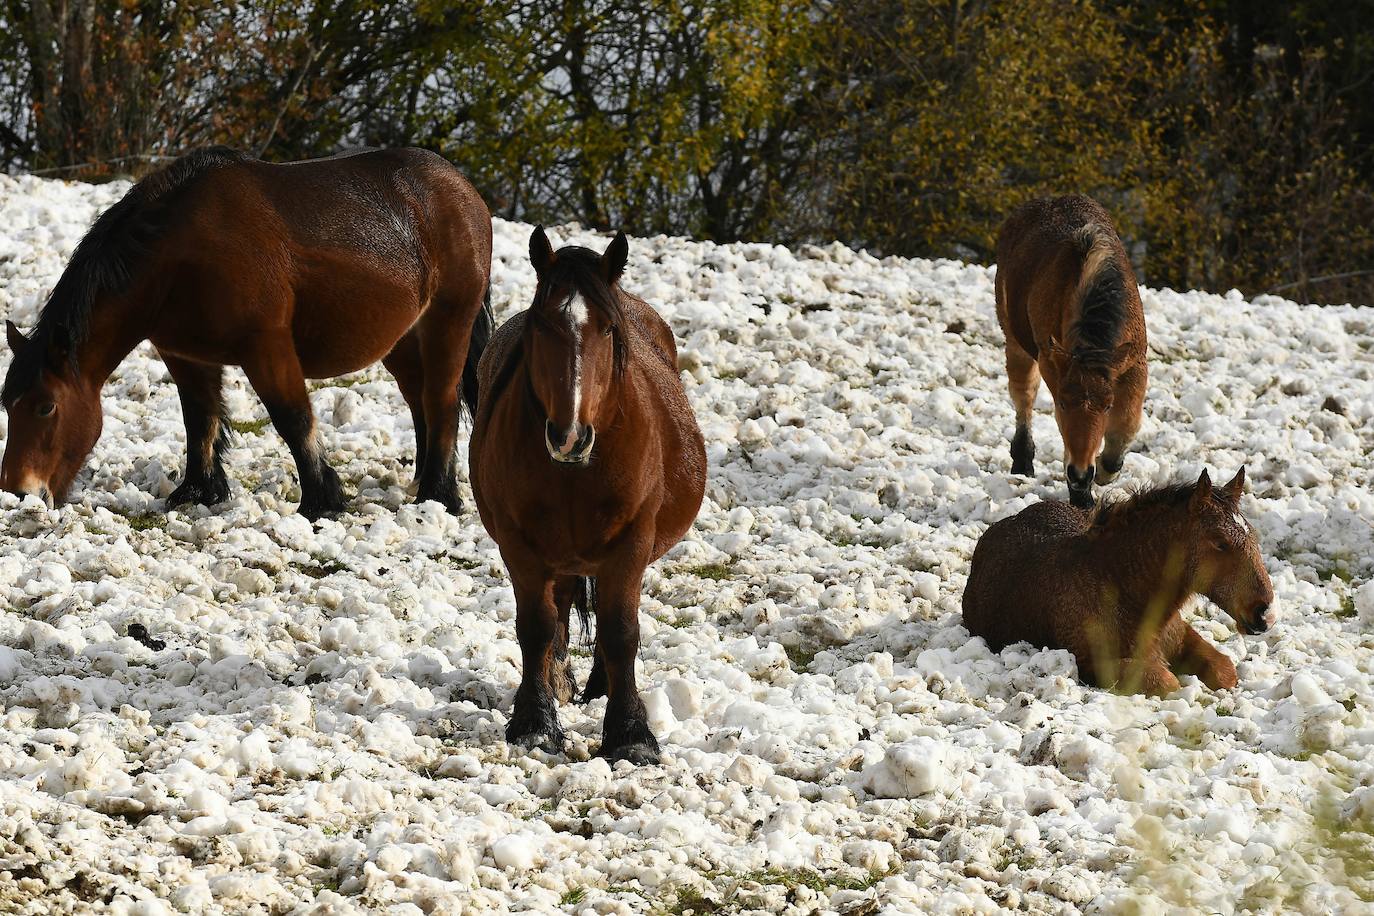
1023 468
445 496
205 492
318 510
550 741
640 753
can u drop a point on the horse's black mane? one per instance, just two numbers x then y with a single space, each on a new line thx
1110 511
1102 310
106 261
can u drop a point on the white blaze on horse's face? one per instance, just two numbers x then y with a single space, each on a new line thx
577 327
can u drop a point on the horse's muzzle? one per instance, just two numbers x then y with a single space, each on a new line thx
579 451
1263 619
30 486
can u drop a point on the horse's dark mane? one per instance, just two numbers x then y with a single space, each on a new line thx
1102 308
1114 511
106 261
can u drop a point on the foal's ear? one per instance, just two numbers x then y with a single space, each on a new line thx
617 253
15 336
1236 488
541 252
1202 494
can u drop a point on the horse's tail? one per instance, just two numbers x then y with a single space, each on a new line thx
482 329
1100 298
584 601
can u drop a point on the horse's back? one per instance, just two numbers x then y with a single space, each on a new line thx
1016 564
1039 261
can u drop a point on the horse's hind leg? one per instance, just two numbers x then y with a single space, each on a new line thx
1122 422
403 362
625 732
274 371
200 387
1023 382
534 721
564 593
444 334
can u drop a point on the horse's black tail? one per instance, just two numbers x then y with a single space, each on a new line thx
481 335
1101 294
584 601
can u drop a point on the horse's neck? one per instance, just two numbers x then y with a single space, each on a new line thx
113 331
1154 574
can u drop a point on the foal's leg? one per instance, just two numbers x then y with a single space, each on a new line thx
444 333
1122 422
403 362
1199 657
534 721
274 371
625 733
1023 381
200 387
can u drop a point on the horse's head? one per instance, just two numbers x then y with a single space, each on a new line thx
1083 396
1229 567
54 416
574 343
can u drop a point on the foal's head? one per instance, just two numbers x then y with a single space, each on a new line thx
574 342
54 415
1084 386
1230 570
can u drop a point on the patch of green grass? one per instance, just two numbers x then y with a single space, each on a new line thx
249 427
321 567
573 897
716 572
800 658
147 521
1347 608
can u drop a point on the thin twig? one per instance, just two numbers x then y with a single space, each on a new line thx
1348 274
141 157
286 102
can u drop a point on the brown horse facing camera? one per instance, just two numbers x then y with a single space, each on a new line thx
1070 310
586 465
1109 585
292 271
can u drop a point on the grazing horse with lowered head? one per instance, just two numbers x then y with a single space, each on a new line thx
291 271
586 465
1109 585
1070 310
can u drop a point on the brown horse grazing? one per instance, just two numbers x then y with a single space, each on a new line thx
587 465
294 271
1070 309
1108 585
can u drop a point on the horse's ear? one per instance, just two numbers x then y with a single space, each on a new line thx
1236 488
613 261
1202 494
15 336
541 252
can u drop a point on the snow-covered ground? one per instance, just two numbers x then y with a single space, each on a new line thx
313 721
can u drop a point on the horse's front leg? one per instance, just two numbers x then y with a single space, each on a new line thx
1123 422
200 387
534 722
625 733
1199 657
274 371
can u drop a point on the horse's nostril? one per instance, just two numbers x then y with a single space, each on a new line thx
1081 478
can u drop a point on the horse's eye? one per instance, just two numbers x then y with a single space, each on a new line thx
1223 546
46 409
606 331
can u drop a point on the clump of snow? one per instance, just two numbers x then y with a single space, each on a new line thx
312 717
